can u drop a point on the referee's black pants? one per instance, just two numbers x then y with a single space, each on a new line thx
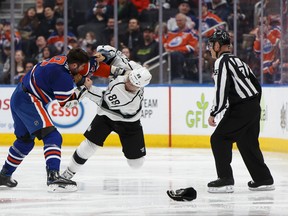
240 124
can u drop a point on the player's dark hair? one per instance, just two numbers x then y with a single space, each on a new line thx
78 56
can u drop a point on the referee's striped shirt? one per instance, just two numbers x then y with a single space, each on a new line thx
234 82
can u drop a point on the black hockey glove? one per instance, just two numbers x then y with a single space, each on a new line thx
187 194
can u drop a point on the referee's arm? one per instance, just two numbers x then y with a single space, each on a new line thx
222 89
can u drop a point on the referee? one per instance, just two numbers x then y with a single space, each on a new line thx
239 92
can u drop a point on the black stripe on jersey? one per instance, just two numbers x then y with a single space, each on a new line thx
235 80
222 75
241 74
121 105
117 112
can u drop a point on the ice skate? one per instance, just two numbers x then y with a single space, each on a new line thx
68 174
224 185
7 180
58 184
266 185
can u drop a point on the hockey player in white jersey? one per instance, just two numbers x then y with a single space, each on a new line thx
119 110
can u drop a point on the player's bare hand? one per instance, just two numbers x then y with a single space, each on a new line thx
77 78
211 121
99 57
88 82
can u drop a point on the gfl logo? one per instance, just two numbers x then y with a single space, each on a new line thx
64 117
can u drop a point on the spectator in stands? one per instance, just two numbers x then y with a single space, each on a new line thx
90 39
180 43
5 75
141 4
27 27
133 36
19 65
127 52
73 43
164 31
184 7
47 25
28 24
242 28
108 32
100 12
271 52
59 8
57 37
126 11
39 7
148 49
5 34
208 21
28 65
222 9
40 44
46 52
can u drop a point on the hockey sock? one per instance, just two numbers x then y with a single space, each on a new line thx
52 150
17 153
85 150
136 163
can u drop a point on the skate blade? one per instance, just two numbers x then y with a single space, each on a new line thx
263 188
224 189
55 188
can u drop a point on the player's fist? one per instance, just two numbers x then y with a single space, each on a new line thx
99 57
78 77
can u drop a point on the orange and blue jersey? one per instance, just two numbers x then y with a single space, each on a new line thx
183 41
50 80
208 21
270 49
58 40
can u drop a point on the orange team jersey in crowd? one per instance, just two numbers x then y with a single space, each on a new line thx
141 4
185 42
270 49
208 21
58 40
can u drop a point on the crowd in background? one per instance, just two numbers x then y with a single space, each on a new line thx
40 34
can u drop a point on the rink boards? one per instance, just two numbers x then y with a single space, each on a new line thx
171 117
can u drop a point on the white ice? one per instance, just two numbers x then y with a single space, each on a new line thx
107 186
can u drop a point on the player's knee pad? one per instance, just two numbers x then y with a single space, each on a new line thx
43 132
23 145
53 138
86 149
27 138
136 163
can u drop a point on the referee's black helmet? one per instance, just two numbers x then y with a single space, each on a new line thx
221 36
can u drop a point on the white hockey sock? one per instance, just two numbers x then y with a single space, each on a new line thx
85 150
136 163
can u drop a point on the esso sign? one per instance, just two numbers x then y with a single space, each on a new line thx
63 117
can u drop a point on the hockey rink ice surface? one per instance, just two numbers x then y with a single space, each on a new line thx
108 187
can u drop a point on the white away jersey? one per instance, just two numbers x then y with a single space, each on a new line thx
116 102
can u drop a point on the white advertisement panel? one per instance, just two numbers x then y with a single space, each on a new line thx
274 116
76 120
6 122
155 113
190 108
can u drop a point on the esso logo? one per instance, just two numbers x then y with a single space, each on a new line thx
63 117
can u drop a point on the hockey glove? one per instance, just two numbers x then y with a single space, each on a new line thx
80 93
187 194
